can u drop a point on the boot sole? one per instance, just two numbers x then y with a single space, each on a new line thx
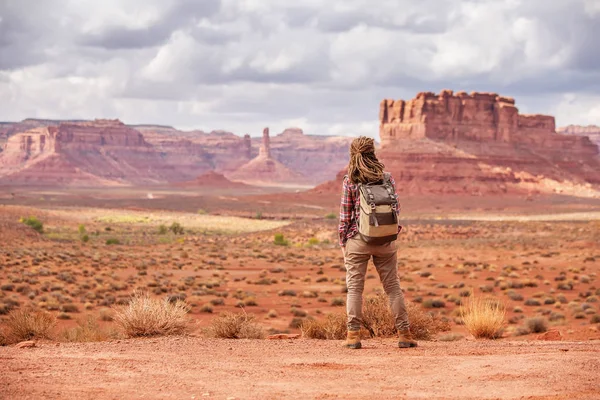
354 346
406 345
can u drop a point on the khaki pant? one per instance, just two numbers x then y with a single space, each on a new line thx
356 257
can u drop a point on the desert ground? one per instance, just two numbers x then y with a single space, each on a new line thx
274 256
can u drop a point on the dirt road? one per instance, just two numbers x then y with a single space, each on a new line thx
196 368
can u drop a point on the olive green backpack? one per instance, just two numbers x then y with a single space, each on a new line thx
377 216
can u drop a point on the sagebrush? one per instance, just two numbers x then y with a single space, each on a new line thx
146 316
377 320
230 325
27 324
483 317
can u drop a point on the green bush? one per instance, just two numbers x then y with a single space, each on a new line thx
280 240
82 230
313 241
34 223
85 238
331 216
112 241
176 228
162 230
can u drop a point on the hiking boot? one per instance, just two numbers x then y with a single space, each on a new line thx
406 340
353 340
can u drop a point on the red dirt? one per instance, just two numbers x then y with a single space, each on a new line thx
193 368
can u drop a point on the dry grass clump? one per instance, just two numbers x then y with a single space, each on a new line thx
483 317
87 330
26 324
145 316
230 325
333 327
378 319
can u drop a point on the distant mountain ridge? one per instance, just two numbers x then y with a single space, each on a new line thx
108 152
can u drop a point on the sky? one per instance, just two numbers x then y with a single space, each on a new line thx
321 65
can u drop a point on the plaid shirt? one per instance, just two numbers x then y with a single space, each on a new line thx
349 210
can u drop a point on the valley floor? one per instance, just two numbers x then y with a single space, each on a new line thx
195 368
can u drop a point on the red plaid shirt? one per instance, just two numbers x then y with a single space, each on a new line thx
349 210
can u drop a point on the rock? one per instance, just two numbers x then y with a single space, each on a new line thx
265 170
101 152
591 131
282 336
550 335
212 179
478 143
25 345
110 153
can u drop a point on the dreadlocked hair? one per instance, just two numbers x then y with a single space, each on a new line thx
364 167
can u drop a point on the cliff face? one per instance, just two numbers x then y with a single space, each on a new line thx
479 143
99 151
108 152
591 131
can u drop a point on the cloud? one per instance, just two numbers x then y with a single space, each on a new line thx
240 65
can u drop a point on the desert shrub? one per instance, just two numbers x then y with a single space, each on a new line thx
112 241
313 241
296 323
81 229
145 316
26 324
331 216
296 312
87 330
85 238
378 319
207 308
176 228
259 215
287 292
483 317
33 223
595 319
338 302
333 327
532 302
433 303
537 324
235 326
162 230
280 240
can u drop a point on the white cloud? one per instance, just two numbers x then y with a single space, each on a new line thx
241 65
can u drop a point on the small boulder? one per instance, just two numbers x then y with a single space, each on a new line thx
25 345
550 335
281 336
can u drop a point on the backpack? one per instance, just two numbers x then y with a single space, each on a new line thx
377 217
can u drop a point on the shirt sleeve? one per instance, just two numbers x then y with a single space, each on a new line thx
346 210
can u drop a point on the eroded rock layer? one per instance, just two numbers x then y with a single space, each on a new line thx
479 143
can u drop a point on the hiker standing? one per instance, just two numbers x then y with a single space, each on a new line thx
369 228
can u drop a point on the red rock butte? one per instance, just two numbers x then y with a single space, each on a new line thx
481 117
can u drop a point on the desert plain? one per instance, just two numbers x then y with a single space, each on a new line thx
274 255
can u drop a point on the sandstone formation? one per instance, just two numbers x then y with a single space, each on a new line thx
98 152
479 144
49 152
211 180
265 170
591 131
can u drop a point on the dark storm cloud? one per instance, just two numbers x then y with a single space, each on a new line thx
19 30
